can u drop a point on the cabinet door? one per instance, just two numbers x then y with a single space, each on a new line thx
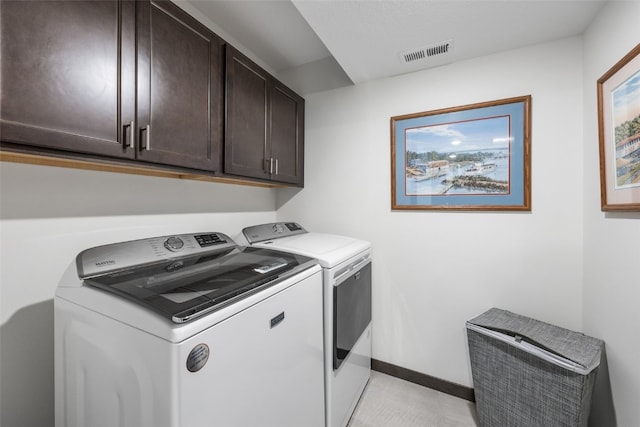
287 135
68 75
180 84
246 131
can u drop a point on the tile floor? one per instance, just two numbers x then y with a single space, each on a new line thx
391 402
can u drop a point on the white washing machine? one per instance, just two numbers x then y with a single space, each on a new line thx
189 331
346 266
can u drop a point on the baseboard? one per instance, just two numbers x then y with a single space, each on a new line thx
425 380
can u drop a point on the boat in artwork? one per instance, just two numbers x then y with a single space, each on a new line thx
428 170
480 169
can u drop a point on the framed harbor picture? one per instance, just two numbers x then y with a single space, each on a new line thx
472 157
619 134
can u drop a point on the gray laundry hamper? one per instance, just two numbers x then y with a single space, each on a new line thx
528 373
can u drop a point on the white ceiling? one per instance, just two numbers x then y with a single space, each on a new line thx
316 45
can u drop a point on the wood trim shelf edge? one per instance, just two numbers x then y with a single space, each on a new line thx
106 166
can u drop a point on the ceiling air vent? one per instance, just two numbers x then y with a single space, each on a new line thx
426 52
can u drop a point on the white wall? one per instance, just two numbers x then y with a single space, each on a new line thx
611 240
435 270
48 215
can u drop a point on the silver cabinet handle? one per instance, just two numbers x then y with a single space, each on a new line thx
128 135
270 160
147 139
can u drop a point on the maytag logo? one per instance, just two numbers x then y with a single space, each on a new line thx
105 263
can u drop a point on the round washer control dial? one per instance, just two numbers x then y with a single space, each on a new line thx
173 244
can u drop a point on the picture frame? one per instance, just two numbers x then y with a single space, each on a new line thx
619 134
474 157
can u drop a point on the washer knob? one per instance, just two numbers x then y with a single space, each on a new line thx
278 228
173 244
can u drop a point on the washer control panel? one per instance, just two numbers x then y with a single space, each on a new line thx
121 256
274 230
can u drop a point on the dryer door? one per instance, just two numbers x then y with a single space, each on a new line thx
351 312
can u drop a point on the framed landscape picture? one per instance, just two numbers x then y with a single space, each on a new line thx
619 134
472 157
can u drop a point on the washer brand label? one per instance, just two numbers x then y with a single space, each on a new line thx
198 357
105 263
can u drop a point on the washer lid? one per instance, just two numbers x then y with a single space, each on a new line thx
187 287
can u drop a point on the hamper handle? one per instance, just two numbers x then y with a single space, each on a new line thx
531 347
518 337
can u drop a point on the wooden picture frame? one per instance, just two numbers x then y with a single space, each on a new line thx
472 157
619 134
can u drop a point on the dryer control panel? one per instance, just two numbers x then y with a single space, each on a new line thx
270 231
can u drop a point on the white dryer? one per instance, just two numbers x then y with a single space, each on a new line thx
189 331
346 266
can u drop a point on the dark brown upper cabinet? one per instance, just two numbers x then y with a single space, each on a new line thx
71 80
180 88
68 75
264 135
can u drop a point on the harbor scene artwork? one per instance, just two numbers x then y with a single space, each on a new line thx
619 134
626 138
470 157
